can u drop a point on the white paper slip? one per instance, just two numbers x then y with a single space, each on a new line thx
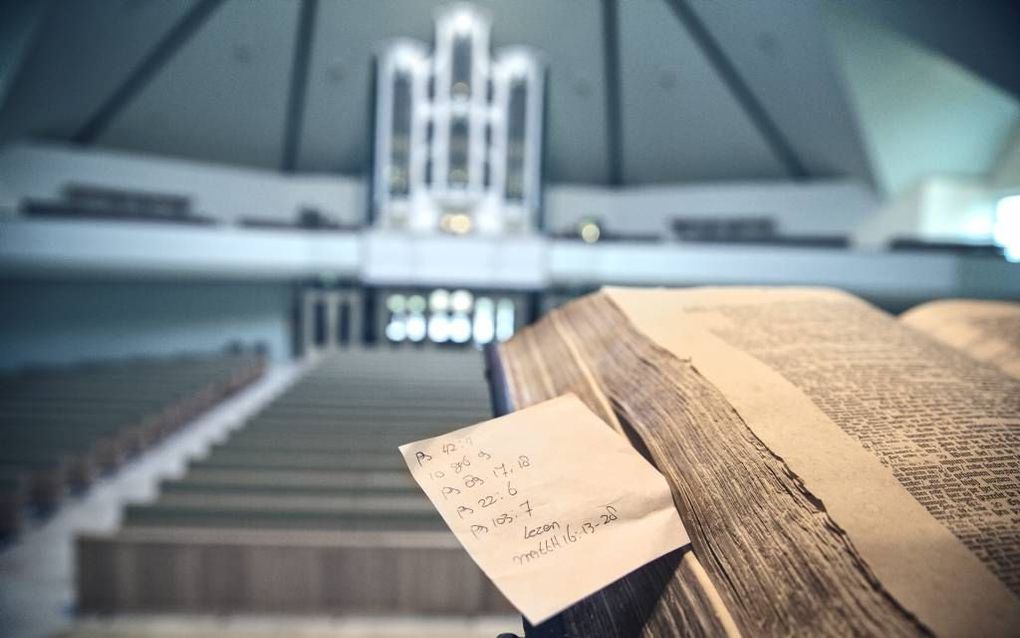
550 502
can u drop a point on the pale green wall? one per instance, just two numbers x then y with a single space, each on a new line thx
57 322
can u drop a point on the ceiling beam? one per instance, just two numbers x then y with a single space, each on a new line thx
298 85
739 89
611 71
147 69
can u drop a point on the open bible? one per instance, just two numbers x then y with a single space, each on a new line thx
840 471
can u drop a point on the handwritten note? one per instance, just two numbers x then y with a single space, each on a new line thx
550 502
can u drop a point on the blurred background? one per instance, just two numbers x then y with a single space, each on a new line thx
233 229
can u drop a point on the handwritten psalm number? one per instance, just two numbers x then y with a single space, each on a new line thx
470 480
482 454
438 474
477 530
523 461
526 506
510 489
464 509
457 466
503 519
501 470
421 458
486 501
610 515
449 447
450 490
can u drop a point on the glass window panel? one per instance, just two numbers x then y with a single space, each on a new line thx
505 319
516 129
460 328
400 142
484 326
458 174
320 323
460 77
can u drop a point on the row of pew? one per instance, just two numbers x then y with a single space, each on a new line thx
61 428
307 508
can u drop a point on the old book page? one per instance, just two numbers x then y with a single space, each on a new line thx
913 449
986 330
674 595
765 560
550 502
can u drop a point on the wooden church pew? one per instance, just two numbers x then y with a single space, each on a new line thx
314 486
167 569
61 427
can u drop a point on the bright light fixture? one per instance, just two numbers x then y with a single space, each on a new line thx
590 232
439 328
461 301
396 303
416 327
465 21
456 223
460 328
396 329
439 300
416 303
1007 226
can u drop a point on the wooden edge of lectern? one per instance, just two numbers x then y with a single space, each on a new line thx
502 404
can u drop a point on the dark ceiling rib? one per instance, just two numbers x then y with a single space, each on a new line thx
298 85
148 68
756 112
611 70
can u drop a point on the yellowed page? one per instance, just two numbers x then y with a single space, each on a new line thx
986 330
550 502
893 444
